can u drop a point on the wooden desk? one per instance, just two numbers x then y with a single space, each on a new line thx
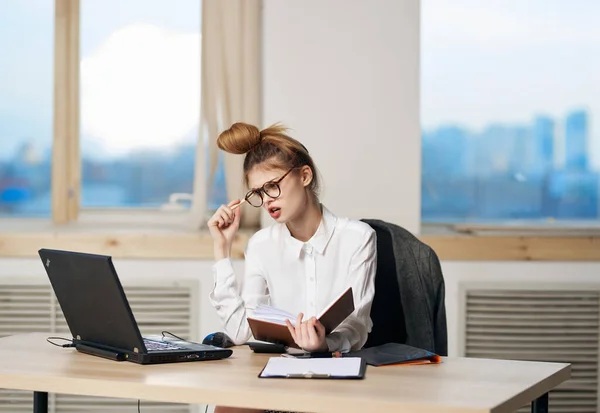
28 362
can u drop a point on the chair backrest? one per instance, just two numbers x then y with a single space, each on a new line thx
387 313
408 281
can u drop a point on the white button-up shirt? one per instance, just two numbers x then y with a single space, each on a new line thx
306 277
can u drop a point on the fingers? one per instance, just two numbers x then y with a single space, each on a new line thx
226 213
305 336
299 339
309 335
320 329
312 332
218 220
222 217
299 326
214 221
237 216
234 213
226 220
299 320
234 202
292 330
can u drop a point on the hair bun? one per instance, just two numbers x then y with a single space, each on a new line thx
239 138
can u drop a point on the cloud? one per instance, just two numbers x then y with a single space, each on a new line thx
141 89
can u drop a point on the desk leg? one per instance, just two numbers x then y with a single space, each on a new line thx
540 405
40 402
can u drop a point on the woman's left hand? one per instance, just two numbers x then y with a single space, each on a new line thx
309 334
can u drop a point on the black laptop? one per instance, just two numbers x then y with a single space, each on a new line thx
98 314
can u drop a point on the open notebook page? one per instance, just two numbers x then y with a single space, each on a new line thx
274 315
333 367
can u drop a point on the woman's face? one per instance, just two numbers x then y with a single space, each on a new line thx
293 197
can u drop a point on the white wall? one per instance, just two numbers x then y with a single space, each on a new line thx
344 75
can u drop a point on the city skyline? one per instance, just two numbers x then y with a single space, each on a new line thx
552 133
506 62
535 170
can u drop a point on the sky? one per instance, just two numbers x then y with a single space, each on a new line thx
151 49
494 61
140 74
482 62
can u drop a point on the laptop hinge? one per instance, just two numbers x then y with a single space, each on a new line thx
103 351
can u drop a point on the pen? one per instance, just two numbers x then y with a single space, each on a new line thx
238 205
321 355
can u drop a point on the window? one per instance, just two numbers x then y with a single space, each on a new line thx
26 84
510 108
100 111
140 101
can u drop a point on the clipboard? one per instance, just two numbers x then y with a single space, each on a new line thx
343 368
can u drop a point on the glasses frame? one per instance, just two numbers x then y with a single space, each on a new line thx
260 191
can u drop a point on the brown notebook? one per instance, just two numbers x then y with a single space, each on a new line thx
268 323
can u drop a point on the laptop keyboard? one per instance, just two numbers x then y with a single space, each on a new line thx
158 345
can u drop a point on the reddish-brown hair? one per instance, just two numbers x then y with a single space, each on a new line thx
270 148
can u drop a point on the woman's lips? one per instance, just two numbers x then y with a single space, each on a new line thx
275 212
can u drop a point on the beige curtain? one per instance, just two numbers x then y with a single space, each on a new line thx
230 83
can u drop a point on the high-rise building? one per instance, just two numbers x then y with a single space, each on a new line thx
576 136
445 151
543 144
520 160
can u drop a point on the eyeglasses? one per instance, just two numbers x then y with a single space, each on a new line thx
271 189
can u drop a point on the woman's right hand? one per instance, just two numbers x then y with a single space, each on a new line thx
223 226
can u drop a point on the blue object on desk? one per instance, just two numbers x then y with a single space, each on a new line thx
218 339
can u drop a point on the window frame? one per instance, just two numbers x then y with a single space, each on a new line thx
66 157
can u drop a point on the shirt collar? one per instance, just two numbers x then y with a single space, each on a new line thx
321 237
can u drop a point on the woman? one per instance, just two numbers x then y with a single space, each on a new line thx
302 262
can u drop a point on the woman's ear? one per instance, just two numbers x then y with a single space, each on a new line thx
306 174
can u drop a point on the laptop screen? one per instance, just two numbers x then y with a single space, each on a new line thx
92 299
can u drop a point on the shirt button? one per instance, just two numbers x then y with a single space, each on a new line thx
312 278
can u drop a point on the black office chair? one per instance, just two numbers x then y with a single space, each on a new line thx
387 312
408 306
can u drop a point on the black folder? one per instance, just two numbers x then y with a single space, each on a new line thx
395 353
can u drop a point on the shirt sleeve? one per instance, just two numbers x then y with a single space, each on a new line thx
352 333
233 307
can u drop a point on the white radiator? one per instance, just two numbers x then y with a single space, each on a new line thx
545 324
